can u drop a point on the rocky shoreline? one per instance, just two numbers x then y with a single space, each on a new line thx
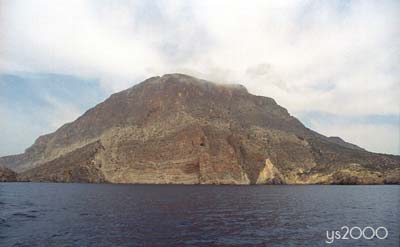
7 175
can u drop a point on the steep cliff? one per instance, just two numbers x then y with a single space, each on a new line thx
179 129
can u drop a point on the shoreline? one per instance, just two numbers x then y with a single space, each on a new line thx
182 184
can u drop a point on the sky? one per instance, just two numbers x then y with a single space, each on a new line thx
332 64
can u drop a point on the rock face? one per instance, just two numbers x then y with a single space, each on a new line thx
7 175
182 130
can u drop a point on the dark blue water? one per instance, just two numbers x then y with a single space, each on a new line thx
40 214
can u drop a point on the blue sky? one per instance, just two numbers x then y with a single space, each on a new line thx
333 64
36 104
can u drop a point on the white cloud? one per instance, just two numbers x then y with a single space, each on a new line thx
338 57
71 37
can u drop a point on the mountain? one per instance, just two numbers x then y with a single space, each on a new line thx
182 130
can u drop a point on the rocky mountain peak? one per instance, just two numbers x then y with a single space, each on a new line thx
180 86
187 80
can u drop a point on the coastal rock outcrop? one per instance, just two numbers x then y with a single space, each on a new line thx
7 175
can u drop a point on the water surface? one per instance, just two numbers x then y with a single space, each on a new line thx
46 214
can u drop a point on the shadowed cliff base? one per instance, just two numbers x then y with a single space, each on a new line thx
177 129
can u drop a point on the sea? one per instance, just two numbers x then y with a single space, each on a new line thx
61 214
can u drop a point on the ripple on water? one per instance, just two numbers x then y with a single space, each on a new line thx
24 215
